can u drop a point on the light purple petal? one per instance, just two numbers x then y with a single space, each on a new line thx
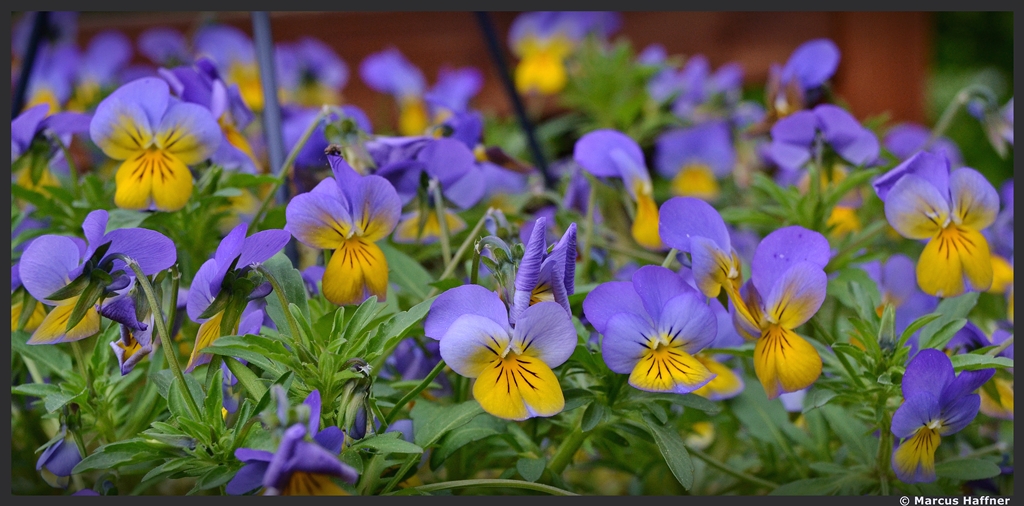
447 159
528 272
656 285
25 127
466 299
683 217
46 265
783 248
152 250
973 197
931 167
259 247
467 190
689 320
846 135
705 144
797 294
313 402
143 101
929 371
593 152
467 338
62 459
899 278
390 72
626 337
376 207
610 299
324 208
813 63
917 411
916 208
545 331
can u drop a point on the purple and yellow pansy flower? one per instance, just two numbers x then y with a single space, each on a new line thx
793 137
348 213
233 52
158 137
390 72
543 41
28 139
311 72
512 365
936 403
653 327
99 68
165 47
221 283
52 262
695 158
924 200
609 153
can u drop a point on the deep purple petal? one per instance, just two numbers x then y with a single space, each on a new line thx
783 248
313 401
248 478
683 217
152 250
899 278
610 299
66 123
466 299
929 371
202 292
259 247
25 127
528 272
46 264
966 383
917 411
852 141
656 285
959 413
707 144
447 159
62 459
390 72
594 151
331 438
546 331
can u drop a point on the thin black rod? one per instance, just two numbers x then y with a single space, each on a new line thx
271 108
494 47
35 39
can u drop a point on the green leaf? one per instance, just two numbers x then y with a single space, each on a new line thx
576 397
432 421
243 352
446 284
687 400
944 334
817 399
58 400
813 486
397 328
387 443
591 417
406 272
36 389
851 432
52 358
176 401
949 309
480 427
294 288
672 448
973 362
115 455
214 477
916 325
530 469
214 402
967 469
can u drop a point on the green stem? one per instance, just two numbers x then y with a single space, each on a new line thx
947 116
721 466
409 462
442 223
165 338
172 311
470 239
670 257
1002 346
72 168
293 326
411 394
588 231
639 255
884 454
525 485
80 358
283 171
567 449
474 272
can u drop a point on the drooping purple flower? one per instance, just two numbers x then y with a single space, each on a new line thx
201 84
653 327
936 402
57 461
544 276
52 263
793 137
303 464
234 259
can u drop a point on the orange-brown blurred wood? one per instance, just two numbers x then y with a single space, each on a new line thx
883 67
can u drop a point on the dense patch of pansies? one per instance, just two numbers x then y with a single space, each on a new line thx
716 296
